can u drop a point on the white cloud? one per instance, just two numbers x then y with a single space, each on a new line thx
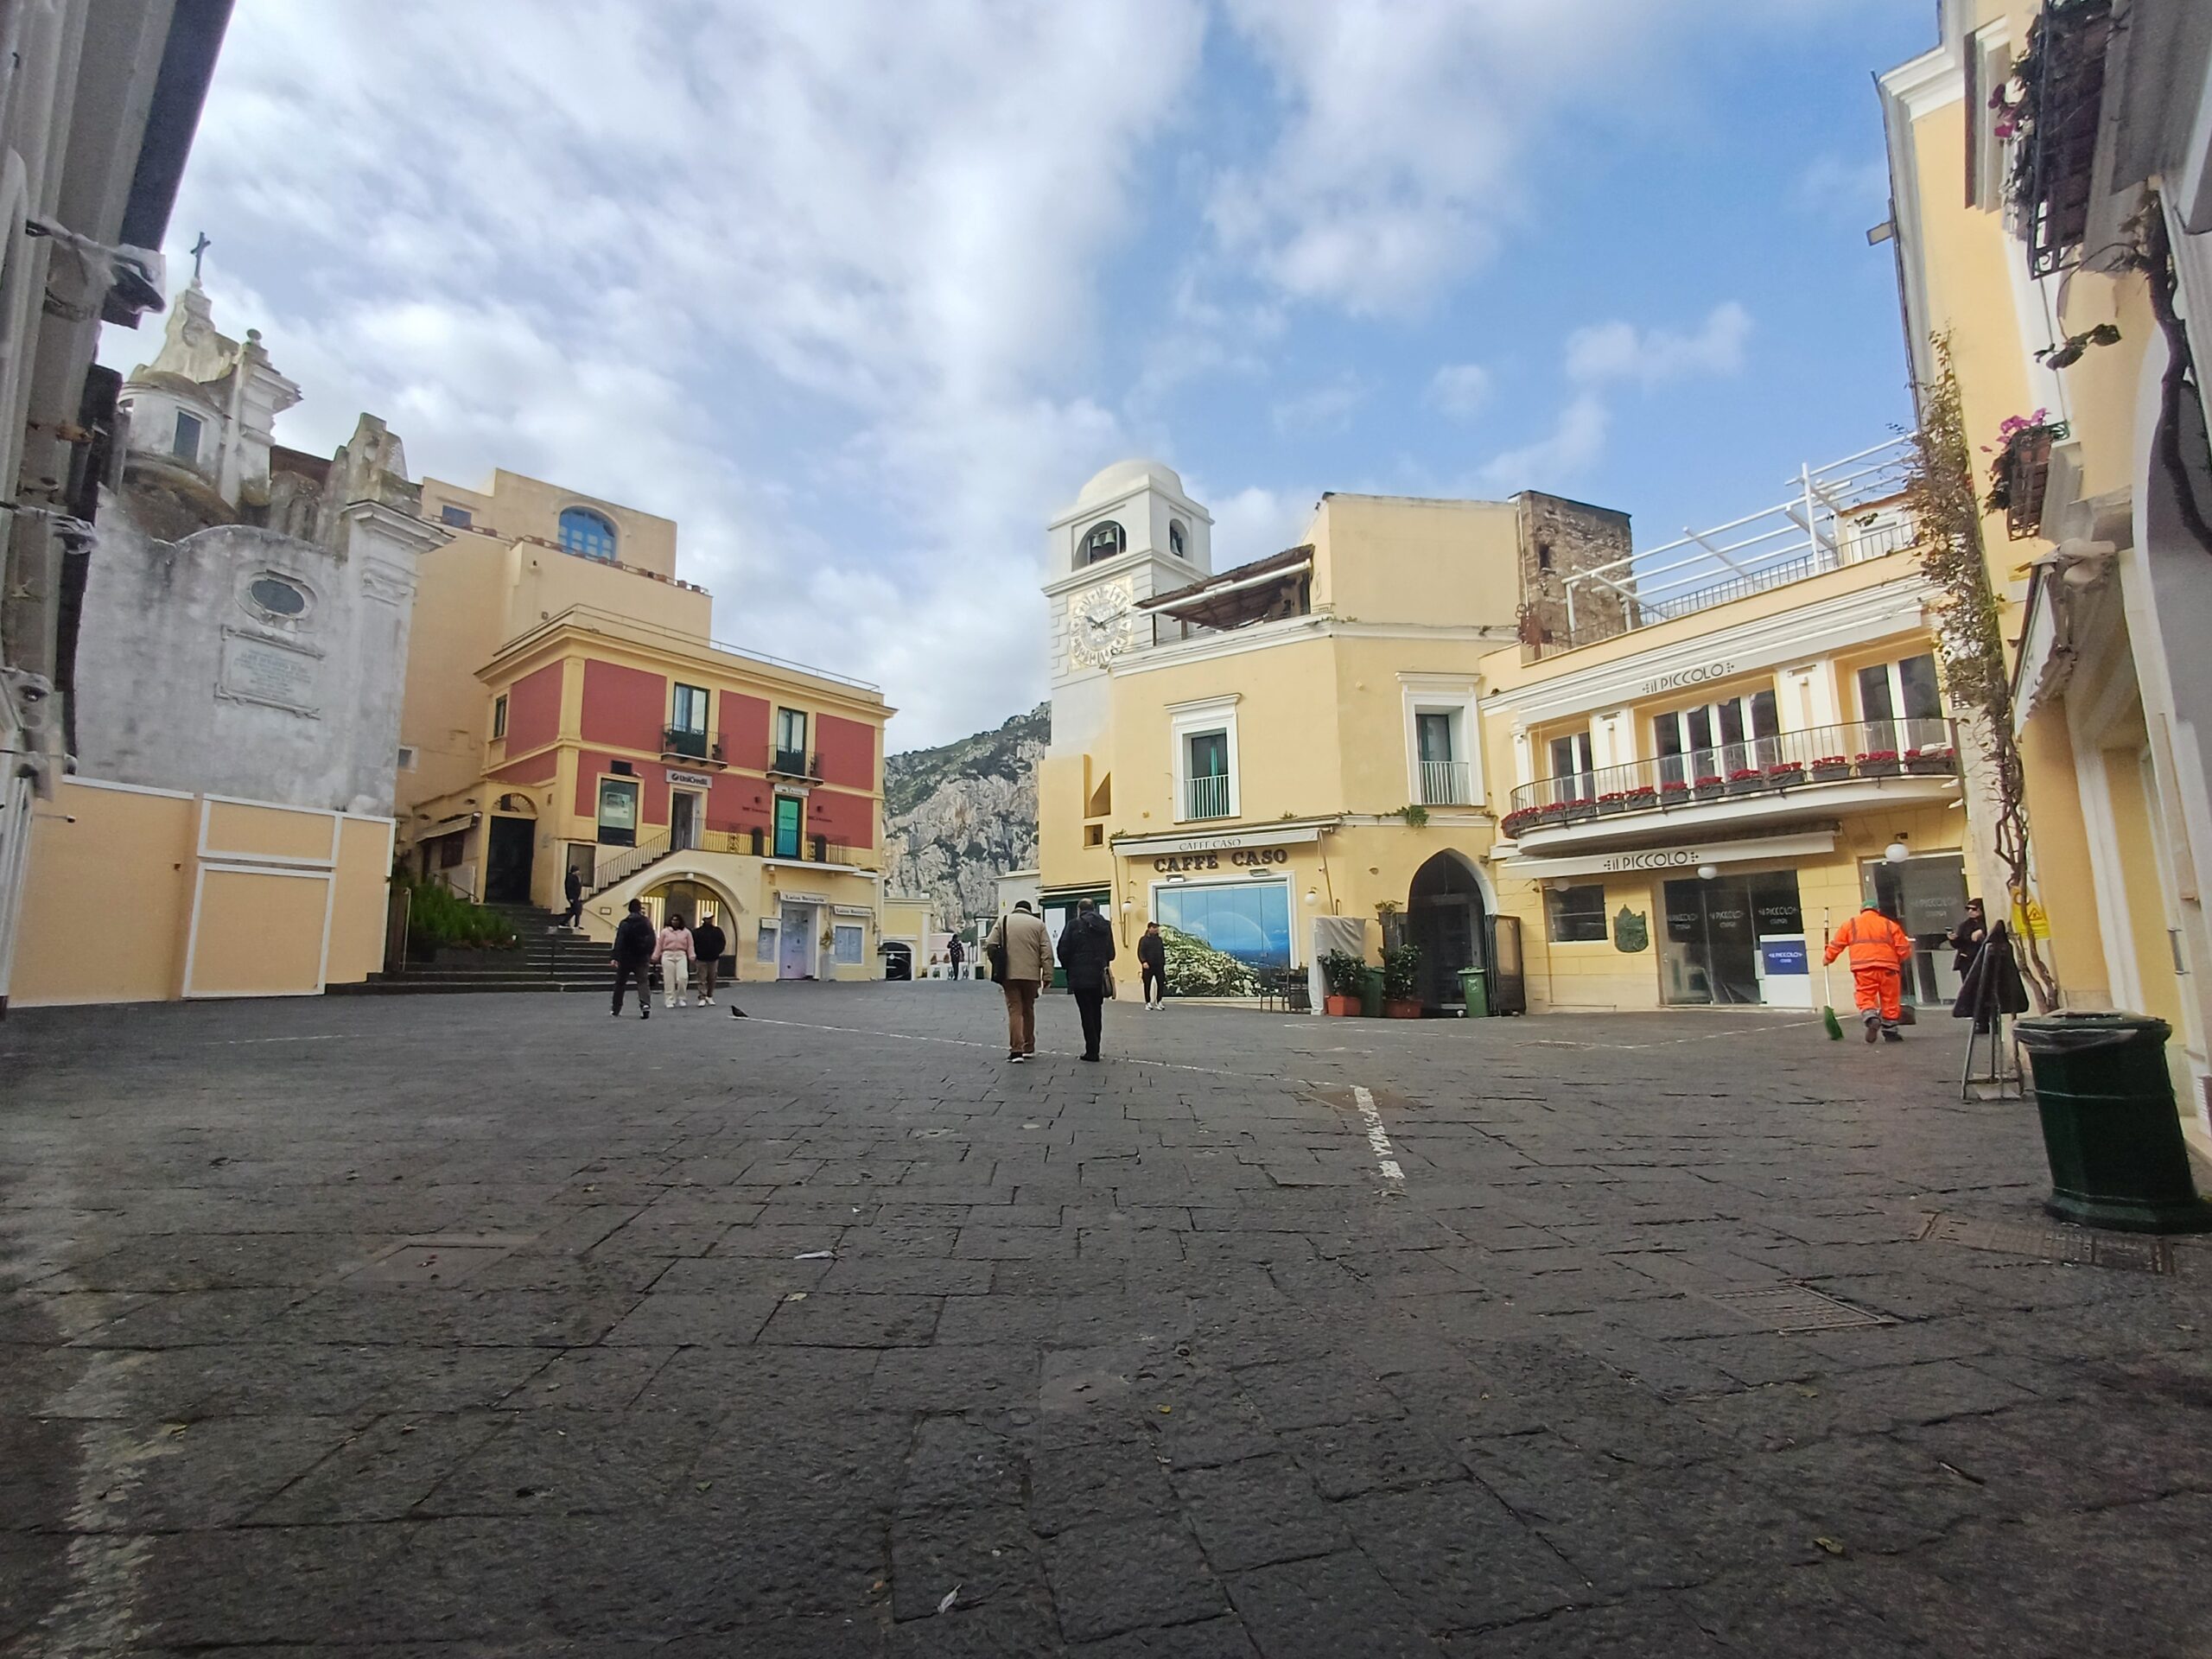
1618 351
1832 187
1572 447
1255 522
1325 408
1460 389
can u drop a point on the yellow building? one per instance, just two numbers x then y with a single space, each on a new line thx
1260 758
2051 210
566 710
1753 745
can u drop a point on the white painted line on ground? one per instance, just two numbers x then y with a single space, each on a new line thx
1386 1155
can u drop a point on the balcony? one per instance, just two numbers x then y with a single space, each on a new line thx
1205 798
1774 774
2062 81
677 744
794 763
1445 782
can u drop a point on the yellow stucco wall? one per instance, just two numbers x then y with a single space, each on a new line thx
257 933
129 854
518 505
1408 559
359 906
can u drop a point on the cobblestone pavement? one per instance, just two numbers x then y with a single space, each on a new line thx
491 1325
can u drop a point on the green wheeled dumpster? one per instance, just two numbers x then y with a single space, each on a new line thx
1474 991
1370 995
2110 1126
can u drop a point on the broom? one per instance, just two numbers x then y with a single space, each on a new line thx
1828 1021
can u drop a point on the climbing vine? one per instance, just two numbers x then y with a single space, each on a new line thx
1940 488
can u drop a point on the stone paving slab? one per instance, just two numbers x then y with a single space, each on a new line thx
478 1325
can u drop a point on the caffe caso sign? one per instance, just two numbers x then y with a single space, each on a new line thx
1695 674
1238 858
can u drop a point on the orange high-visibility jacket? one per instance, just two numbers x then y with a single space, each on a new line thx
1875 942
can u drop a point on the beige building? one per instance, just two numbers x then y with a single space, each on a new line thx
2051 172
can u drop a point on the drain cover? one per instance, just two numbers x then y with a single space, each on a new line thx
2049 1241
1787 1308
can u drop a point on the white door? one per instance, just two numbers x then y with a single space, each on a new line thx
796 957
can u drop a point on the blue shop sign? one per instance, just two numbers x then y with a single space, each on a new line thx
1781 956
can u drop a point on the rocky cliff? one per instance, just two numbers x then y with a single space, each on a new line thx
964 813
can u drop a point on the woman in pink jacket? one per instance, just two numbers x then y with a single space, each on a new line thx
674 953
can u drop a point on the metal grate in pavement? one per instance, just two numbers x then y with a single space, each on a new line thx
2053 1242
1784 1309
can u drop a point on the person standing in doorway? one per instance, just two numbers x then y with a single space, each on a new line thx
633 955
1879 950
674 953
1966 936
1152 958
1087 952
708 945
955 954
572 887
1021 960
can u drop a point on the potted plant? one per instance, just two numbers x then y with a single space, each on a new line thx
1673 793
1343 974
1711 785
1938 761
1551 812
1581 807
1743 780
1783 773
1614 800
1517 820
1401 982
1831 768
1878 763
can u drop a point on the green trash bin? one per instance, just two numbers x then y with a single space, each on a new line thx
1474 991
2110 1128
1370 995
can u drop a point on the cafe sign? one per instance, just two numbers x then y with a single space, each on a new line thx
1682 679
1236 858
1674 860
1234 841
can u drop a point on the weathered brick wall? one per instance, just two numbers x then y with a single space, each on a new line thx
1559 538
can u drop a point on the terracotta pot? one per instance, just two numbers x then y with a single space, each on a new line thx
1401 1010
1342 1006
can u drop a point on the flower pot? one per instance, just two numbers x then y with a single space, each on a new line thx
1606 808
1408 1010
1747 785
1878 768
1938 765
1830 774
1342 1006
1711 791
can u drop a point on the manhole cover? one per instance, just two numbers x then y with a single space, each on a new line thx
1784 1309
2052 1242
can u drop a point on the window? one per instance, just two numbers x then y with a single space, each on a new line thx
1443 774
618 813
406 761
587 533
1094 835
450 848
1206 773
459 517
845 944
185 446
276 597
1573 775
1175 539
1901 706
499 716
790 747
1249 922
1577 916
1714 739
1102 541
688 710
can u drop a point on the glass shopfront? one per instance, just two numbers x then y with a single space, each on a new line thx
1734 939
1927 895
1248 920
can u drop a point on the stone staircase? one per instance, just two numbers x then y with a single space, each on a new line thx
547 957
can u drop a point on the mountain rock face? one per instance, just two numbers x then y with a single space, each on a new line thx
959 816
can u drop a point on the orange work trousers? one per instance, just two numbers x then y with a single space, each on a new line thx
1878 991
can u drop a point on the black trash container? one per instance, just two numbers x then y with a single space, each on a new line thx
2110 1127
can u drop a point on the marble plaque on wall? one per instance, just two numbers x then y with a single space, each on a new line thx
256 669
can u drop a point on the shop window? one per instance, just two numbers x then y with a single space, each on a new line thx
618 813
845 944
1250 922
1576 915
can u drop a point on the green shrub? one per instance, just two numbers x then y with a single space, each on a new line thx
1401 973
1196 969
435 915
1344 974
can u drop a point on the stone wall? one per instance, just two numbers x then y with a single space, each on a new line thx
1559 538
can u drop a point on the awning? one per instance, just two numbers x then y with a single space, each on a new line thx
1275 586
451 826
1637 860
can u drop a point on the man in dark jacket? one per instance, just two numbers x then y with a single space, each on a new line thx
1151 957
573 888
633 955
708 945
1086 948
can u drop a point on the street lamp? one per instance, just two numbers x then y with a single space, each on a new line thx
1896 852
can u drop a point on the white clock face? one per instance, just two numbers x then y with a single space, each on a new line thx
1100 622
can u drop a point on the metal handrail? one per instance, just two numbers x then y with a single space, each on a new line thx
1445 782
1208 797
629 863
1818 754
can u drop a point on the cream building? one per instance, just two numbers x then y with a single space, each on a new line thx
2052 212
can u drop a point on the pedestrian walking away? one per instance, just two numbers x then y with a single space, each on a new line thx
707 947
955 954
1152 958
1879 950
634 954
1021 960
1087 952
674 951
572 886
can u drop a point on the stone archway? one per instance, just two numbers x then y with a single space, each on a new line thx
1447 915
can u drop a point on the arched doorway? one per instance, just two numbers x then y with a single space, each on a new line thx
510 848
1445 917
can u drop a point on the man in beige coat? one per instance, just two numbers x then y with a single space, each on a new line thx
1028 951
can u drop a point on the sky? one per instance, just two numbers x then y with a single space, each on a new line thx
860 294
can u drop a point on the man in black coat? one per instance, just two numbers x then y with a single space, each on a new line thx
572 887
1152 956
708 944
633 956
1086 949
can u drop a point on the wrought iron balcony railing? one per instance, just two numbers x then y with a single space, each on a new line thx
1858 751
1445 782
1206 797
692 746
794 763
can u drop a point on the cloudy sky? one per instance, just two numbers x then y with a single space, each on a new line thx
860 292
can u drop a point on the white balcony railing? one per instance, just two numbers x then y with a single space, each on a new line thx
1445 782
1206 797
